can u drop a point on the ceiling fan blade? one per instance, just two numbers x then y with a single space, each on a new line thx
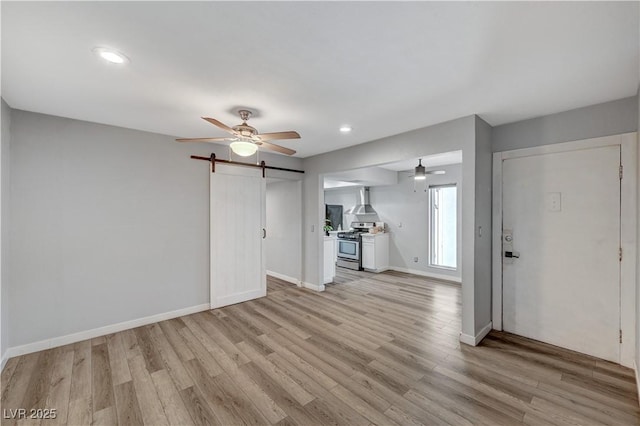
204 139
433 172
220 125
277 148
279 135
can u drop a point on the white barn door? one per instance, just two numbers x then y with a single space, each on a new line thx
237 235
561 239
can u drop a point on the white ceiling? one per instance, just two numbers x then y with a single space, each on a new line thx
382 67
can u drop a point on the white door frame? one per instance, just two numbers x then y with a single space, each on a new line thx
628 148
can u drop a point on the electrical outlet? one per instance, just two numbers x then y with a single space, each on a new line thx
415 259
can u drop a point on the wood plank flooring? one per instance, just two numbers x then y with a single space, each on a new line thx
372 349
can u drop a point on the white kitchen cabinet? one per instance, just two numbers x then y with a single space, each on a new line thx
334 235
329 263
375 252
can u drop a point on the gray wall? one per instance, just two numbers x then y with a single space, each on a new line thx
284 228
459 134
606 119
638 249
4 226
398 204
108 225
483 218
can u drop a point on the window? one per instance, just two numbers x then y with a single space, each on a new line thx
443 226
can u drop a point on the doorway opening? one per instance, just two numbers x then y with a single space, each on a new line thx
403 211
283 240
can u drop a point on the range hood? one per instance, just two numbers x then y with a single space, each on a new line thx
363 207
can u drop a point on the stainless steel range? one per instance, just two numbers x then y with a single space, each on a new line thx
350 244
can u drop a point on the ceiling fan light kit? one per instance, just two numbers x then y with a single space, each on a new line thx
420 171
243 148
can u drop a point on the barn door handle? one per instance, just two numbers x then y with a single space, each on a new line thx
264 233
512 254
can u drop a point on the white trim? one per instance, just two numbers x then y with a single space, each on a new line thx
313 286
377 271
427 274
3 361
475 340
628 242
628 146
635 368
100 331
496 242
567 146
286 278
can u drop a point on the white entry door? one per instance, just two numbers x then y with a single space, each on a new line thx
561 216
237 235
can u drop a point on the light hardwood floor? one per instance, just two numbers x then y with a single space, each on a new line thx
372 349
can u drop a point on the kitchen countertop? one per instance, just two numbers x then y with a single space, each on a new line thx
375 235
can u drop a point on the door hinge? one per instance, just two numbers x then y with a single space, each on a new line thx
620 254
620 336
620 172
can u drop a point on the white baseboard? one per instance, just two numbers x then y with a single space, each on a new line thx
474 340
3 361
97 332
313 286
426 274
285 278
377 271
635 368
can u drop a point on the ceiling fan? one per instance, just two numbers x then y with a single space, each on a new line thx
420 172
246 139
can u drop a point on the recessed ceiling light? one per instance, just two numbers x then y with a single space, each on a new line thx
110 55
345 129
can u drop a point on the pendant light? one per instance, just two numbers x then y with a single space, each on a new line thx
420 171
